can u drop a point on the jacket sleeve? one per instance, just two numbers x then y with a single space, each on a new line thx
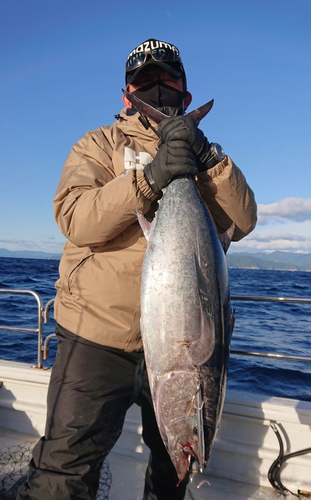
229 198
92 205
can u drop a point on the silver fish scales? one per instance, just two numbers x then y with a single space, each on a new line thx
185 323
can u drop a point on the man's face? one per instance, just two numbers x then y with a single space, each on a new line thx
153 74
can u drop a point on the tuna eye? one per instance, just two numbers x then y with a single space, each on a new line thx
193 425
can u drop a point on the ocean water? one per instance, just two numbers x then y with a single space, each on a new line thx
265 327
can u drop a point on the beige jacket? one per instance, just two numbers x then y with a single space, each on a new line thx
101 186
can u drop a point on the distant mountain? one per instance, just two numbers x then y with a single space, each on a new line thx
286 261
28 254
275 260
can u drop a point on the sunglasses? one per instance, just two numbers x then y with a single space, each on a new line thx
164 54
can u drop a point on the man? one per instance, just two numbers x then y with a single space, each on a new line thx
98 370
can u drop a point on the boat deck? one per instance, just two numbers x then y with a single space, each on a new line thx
128 477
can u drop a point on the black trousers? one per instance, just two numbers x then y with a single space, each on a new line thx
91 389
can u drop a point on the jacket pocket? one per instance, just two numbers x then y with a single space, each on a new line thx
75 271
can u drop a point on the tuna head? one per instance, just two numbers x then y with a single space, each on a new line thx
181 423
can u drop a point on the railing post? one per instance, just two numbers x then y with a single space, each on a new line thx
38 330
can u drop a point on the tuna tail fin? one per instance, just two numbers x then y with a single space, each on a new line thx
144 224
225 238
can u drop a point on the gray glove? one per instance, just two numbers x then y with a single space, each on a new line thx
183 128
173 158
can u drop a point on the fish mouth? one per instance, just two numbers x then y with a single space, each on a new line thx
191 459
191 464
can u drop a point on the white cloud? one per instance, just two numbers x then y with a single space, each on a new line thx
18 244
289 245
289 209
284 225
288 237
272 237
49 244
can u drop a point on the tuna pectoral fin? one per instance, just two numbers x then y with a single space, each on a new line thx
201 349
144 224
225 238
204 293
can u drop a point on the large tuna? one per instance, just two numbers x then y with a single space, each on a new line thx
185 324
185 316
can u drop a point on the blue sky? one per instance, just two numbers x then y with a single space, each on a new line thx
62 69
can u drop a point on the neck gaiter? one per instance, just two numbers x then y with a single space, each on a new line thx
162 97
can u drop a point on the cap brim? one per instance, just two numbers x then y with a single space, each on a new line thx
131 76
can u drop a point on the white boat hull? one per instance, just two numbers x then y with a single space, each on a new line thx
245 445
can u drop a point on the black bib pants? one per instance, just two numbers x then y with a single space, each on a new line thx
90 391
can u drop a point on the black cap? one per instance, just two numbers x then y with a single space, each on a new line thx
154 52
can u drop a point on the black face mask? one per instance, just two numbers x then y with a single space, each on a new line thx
162 97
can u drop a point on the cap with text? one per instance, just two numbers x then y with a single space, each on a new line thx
154 52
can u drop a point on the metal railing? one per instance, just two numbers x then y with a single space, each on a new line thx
43 317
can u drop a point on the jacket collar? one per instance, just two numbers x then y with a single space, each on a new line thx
131 125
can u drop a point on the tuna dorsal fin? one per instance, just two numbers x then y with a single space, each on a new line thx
144 224
225 238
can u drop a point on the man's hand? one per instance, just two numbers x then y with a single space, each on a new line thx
183 128
175 157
